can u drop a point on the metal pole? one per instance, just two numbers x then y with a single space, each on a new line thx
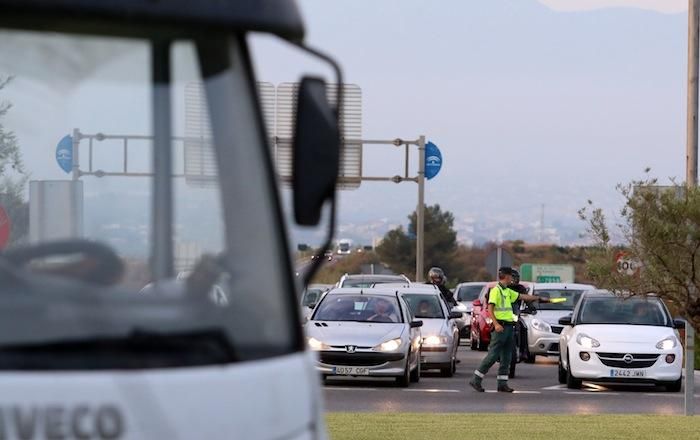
499 259
162 227
689 369
76 154
420 212
692 127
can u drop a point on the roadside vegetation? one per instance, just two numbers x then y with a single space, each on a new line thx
426 426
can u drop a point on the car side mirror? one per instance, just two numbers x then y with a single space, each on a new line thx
312 306
455 315
565 320
416 324
679 324
316 151
476 303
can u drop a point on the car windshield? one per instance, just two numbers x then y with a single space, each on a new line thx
571 297
469 293
82 120
361 308
616 310
424 306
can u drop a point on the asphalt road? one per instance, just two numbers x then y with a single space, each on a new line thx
536 385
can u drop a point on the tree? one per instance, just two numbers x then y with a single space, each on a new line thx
12 176
660 230
398 248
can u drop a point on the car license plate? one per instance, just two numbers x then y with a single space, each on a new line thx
351 371
627 373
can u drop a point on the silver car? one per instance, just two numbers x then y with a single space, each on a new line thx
465 294
365 332
310 297
440 335
541 325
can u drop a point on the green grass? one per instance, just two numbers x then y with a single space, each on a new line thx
410 426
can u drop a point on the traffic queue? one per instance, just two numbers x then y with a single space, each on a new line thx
386 326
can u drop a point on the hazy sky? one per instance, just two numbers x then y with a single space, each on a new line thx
522 98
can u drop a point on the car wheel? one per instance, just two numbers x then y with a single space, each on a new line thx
482 346
473 343
562 373
405 379
447 371
571 381
415 374
674 386
528 357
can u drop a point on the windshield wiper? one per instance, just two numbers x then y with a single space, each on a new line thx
139 349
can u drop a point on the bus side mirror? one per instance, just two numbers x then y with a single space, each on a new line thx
316 151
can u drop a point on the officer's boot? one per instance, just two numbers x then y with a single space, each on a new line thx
503 386
476 381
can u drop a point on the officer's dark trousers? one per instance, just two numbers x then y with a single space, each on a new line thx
501 347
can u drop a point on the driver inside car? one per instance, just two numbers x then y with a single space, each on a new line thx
383 312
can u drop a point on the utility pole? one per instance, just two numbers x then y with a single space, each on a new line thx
692 128
420 212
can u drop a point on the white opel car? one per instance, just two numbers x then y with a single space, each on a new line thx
365 332
440 335
611 338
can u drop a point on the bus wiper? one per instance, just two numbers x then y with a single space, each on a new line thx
139 349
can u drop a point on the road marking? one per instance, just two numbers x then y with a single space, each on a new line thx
516 392
592 393
350 389
555 387
432 391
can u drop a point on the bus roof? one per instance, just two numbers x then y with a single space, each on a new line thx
279 17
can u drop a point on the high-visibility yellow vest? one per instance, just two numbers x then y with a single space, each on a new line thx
503 298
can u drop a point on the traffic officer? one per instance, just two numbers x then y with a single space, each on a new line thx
501 299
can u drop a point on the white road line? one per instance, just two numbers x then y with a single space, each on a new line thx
555 387
431 391
592 393
516 392
350 389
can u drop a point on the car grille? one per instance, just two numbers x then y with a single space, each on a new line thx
639 360
358 359
554 347
557 329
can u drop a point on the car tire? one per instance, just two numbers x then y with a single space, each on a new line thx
405 379
482 346
415 374
473 343
449 370
674 386
571 381
562 373
528 357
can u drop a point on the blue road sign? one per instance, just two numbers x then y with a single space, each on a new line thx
64 154
433 160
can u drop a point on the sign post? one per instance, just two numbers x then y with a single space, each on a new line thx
5 228
689 369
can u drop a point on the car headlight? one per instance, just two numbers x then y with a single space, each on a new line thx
435 340
488 320
586 341
541 326
667 343
316 345
391 345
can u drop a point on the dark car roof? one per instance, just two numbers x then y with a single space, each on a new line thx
280 17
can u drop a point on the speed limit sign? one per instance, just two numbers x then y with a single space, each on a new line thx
626 265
